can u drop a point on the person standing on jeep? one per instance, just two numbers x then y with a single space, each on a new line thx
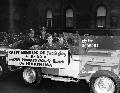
62 44
43 36
30 39
50 45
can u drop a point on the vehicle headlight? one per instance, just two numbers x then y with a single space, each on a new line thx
3 50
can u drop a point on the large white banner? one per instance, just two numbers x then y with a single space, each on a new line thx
38 58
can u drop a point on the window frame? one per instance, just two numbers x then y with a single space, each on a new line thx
49 18
70 19
103 19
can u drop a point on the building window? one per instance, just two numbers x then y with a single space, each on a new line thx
69 18
101 17
49 18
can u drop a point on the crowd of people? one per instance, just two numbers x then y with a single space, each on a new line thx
45 41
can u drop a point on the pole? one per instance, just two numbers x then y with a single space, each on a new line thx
11 16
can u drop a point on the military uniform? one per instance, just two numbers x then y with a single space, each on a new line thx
28 42
63 46
42 40
48 47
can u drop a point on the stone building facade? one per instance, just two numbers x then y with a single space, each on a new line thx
83 15
86 16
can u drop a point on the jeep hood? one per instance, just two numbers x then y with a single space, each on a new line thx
3 50
101 52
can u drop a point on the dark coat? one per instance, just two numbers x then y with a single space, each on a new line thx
28 42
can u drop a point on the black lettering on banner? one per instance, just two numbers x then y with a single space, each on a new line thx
51 53
34 60
61 53
29 52
14 52
34 52
32 56
38 64
26 56
10 52
31 63
29 60
25 52
17 52
43 60
14 59
21 64
47 64
39 56
42 52
47 52
23 59
49 60
27 63
10 59
54 61
50 65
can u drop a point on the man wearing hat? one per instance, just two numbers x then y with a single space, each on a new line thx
43 36
30 39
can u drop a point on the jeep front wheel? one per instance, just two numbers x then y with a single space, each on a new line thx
104 82
32 76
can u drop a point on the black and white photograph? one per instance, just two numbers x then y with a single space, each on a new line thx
59 46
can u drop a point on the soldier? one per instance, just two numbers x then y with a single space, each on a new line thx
49 45
43 36
30 40
62 44
55 38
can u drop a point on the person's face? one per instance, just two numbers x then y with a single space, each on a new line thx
50 38
32 33
43 32
61 40
55 34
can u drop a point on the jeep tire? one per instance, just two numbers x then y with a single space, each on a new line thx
104 82
32 76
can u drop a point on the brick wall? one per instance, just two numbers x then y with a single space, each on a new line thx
32 12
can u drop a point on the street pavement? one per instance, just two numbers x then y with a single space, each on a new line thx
13 84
